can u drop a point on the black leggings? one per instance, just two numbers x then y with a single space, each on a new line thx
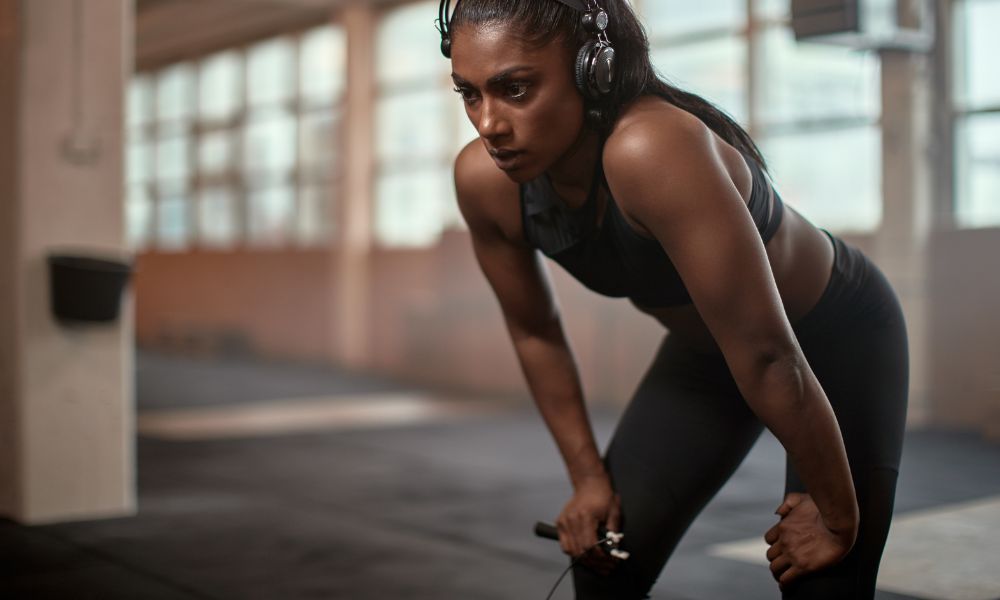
687 429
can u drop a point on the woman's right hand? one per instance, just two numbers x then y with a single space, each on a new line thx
594 503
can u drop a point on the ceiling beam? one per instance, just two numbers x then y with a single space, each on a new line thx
169 31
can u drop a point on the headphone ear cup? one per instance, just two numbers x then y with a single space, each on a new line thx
582 70
595 69
603 71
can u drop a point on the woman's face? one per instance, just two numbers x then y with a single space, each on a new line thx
521 99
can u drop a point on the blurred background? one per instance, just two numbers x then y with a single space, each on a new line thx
288 193
277 173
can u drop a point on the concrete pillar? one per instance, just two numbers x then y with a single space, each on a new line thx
351 277
10 475
66 394
908 181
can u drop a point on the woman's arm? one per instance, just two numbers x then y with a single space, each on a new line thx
665 171
487 200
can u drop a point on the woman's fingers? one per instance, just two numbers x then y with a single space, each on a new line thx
586 552
580 532
774 551
801 543
792 500
790 575
581 542
591 503
568 540
565 540
614 515
779 565
772 534
779 561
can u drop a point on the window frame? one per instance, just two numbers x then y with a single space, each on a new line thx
959 112
436 164
751 33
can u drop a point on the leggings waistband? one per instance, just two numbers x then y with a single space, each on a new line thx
856 292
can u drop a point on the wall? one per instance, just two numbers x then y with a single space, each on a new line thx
274 304
433 319
965 329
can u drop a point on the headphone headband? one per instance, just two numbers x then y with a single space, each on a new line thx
444 8
594 71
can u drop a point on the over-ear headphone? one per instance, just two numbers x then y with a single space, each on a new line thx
595 62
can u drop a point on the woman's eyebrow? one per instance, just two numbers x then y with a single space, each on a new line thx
498 78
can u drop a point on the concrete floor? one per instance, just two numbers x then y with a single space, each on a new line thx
438 505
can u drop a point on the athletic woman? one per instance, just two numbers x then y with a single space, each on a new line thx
641 190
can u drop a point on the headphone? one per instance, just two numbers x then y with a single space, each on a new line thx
595 61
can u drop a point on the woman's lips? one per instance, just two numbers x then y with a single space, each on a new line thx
505 159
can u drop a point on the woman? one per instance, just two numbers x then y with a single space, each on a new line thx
641 190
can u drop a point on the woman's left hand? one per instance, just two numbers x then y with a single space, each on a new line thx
801 542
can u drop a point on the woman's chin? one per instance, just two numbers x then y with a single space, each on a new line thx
522 173
517 177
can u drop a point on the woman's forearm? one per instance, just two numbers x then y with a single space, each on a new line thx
552 377
786 396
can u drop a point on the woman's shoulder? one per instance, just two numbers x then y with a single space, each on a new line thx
650 123
486 196
655 144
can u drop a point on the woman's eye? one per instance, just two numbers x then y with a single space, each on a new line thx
517 91
465 93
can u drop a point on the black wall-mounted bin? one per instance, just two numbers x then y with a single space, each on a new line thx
86 289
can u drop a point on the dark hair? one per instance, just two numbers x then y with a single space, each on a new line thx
540 22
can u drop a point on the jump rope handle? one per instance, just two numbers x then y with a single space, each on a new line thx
548 531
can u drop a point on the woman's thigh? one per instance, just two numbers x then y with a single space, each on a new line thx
682 435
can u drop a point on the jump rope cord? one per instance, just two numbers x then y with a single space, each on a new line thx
573 564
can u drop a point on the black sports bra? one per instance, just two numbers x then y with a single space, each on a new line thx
612 258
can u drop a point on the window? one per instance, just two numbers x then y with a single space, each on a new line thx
811 82
714 68
322 82
171 173
238 147
977 108
817 113
701 47
683 17
814 111
139 196
833 175
420 126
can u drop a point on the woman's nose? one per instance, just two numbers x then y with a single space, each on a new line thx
492 122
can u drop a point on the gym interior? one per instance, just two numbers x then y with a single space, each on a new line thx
301 386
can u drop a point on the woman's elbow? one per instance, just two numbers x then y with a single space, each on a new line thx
779 375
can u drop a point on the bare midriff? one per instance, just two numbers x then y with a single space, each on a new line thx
801 258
